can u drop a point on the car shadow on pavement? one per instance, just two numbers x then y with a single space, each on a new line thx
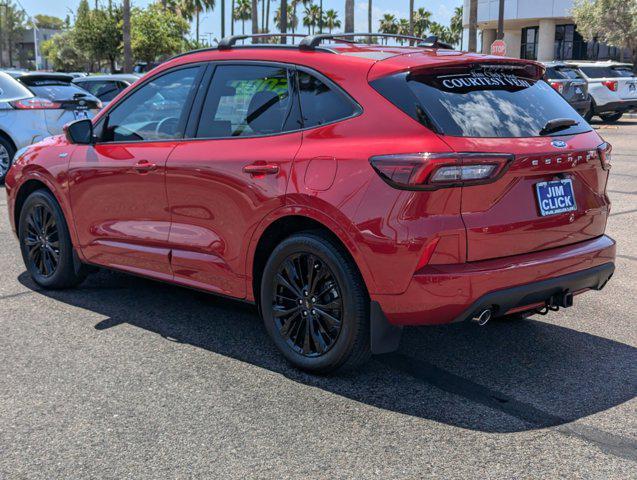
505 377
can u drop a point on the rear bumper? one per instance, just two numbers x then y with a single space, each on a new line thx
581 106
452 293
616 106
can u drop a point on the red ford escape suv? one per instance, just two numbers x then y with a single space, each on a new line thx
346 189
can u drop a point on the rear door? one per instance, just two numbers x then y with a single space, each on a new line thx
553 192
231 172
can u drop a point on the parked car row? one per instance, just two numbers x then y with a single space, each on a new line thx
35 105
605 89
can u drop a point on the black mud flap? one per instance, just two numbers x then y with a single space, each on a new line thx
384 337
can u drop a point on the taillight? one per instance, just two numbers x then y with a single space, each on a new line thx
604 155
35 103
610 84
558 86
430 171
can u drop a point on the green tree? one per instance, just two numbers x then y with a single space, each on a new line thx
62 52
193 8
422 22
311 18
292 18
442 32
156 33
456 27
99 32
12 20
613 22
331 20
243 12
388 25
48 21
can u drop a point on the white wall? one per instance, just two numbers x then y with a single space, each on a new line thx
519 9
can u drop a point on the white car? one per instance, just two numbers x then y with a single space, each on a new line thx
106 87
35 109
612 86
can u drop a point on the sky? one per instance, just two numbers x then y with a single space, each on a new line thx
210 22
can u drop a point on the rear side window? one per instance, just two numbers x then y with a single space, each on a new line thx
479 103
246 101
562 73
10 89
322 104
105 91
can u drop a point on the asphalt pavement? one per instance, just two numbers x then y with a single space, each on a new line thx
129 378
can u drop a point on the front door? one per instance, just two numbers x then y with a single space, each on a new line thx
117 186
231 174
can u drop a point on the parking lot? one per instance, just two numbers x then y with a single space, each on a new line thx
129 378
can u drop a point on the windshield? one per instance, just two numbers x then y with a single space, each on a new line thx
480 104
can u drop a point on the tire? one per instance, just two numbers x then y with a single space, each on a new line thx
7 152
611 117
299 309
45 243
588 115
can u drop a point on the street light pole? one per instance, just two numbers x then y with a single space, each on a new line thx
500 33
35 43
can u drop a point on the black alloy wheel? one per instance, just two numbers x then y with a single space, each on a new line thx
42 240
314 303
307 306
45 243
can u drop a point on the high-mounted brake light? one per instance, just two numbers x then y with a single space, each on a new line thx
558 86
610 84
34 103
604 151
431 171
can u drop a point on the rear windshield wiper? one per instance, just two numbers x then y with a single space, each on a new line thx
558 124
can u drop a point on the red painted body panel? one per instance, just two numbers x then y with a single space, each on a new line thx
196 219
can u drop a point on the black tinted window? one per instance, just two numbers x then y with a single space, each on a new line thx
56 92
562 73
321 104
600 72
154 111
479 104
247 100
105 91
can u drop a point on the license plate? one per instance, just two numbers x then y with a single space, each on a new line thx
555 197
80 114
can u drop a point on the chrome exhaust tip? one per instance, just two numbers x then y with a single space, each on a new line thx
482 318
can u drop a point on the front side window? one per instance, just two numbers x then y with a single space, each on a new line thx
154 111
247 101
322 104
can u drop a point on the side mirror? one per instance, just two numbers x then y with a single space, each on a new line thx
79 132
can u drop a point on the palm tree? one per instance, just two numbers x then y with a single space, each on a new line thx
128 54
292 19
422 21
232 18
403 28
243 12
473 25
443 33
311 18
369 17
456 26
388 24
349 16
255 19
192 8
411 17
331 20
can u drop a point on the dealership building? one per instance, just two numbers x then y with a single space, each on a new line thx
537 30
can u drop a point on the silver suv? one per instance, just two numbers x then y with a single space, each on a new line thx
612 86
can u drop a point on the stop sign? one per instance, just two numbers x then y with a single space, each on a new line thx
499 48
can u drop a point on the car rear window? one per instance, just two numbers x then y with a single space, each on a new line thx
603 72
56 91
562 73
479 103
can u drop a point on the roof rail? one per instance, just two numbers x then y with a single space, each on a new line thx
312 41
227 43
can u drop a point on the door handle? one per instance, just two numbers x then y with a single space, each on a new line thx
261 169
144 166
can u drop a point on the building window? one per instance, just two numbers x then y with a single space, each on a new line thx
569 44
529 43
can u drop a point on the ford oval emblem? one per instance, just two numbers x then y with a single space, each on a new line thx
558 144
